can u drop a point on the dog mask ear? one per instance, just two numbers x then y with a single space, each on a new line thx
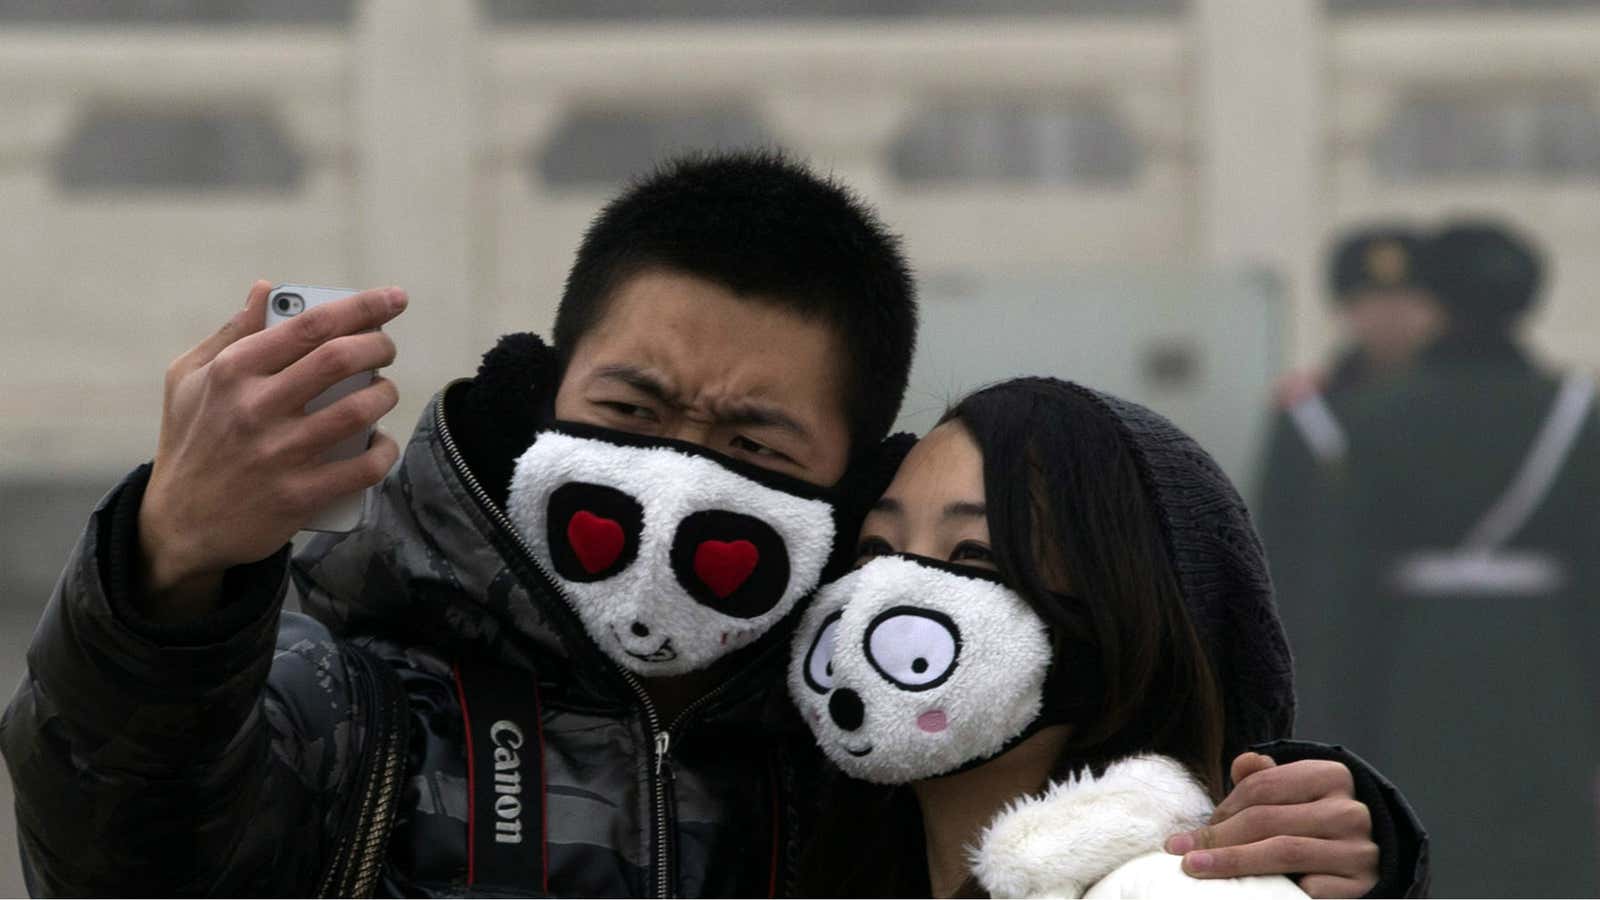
495 416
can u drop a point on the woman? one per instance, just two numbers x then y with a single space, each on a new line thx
1023 671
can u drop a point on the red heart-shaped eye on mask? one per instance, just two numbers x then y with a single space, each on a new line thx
596 540
725 565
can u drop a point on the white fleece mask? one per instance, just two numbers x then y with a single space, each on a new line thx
909 668
671 556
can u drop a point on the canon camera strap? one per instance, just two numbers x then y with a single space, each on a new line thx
506 846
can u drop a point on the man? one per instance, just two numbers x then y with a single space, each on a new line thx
1467 551
737 309
1388 314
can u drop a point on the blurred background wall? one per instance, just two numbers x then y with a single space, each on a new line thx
1176 162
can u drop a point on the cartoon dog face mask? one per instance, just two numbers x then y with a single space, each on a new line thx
909 668
672 556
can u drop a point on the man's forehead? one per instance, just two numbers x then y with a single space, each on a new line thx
693 337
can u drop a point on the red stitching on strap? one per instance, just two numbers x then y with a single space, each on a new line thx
544 786
777 815
472 779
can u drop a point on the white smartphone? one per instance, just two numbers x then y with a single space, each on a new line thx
286 301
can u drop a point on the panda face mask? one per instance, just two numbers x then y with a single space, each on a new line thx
908 668
672 556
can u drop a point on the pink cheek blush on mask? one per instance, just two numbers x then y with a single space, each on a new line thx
933 721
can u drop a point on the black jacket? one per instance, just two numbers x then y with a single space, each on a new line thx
1442 681
220 757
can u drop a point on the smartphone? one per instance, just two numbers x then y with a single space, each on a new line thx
286 301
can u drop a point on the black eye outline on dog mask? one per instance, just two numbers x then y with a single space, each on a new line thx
754 591
604 511
941 669
809 672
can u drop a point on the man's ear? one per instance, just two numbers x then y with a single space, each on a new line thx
869 475
495 416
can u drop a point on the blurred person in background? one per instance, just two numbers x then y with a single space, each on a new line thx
1387 314
1466 561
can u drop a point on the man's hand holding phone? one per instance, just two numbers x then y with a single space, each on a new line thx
240 466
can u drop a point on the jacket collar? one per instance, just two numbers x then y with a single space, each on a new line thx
1062 842
430 564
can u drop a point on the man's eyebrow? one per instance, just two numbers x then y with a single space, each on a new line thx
888 505
738 412
745 412
638 379
966 509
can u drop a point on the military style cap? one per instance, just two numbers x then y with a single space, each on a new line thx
1483 272
1381 258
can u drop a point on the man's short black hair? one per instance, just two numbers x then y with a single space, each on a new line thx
763 226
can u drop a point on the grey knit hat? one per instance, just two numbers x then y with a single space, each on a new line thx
1222 572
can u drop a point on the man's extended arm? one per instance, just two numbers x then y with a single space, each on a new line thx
173 759
158 726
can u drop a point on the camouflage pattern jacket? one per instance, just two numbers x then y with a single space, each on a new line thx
219 758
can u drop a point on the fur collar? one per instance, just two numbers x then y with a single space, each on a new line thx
1077 832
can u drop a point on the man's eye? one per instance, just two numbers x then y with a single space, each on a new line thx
744 444
872 547
630 410
972 551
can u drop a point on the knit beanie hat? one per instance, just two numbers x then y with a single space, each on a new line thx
1222 572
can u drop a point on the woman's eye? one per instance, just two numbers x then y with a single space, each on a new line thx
971 551
873 546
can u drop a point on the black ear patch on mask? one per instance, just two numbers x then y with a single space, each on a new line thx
593 531
735 564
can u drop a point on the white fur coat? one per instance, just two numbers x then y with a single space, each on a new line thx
1102 837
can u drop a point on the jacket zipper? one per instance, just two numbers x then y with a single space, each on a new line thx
368 840
661 739
371 855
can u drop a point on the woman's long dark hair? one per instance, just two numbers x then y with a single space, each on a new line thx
1068 513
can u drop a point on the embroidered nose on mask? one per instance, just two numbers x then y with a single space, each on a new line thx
671 555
